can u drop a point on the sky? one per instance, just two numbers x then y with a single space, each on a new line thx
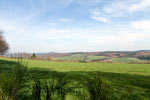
75 25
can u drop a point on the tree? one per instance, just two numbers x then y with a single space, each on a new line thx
33 56
3 44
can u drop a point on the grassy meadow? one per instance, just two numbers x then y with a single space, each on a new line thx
126 60
125 79
71 58
91 57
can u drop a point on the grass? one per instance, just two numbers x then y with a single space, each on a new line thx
78 57
138 69
125 60
123 77
91 57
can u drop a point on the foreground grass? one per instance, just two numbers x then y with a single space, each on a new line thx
125 78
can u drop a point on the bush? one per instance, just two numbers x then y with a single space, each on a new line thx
12 83
7 83
53 89
97 87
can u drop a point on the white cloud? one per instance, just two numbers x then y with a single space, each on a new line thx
142 25
101 19
87 39
96 15
53 34
24 32
125 7
143 5
124 40
115 9
95 12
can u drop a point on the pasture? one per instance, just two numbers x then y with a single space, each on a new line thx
91 57
125 79
71 58
126 60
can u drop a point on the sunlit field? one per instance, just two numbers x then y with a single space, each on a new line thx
137 69
122 77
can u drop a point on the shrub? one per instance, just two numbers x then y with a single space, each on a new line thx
98 88
12 83
36 92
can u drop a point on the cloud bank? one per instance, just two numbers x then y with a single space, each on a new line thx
75 25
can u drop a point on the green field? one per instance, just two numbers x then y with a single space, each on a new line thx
138 69
91 57
125 60
78 57
122 77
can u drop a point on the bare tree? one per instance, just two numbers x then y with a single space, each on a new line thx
3 44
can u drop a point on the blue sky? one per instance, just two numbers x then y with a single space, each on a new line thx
75 25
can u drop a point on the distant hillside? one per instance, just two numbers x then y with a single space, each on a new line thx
106 56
